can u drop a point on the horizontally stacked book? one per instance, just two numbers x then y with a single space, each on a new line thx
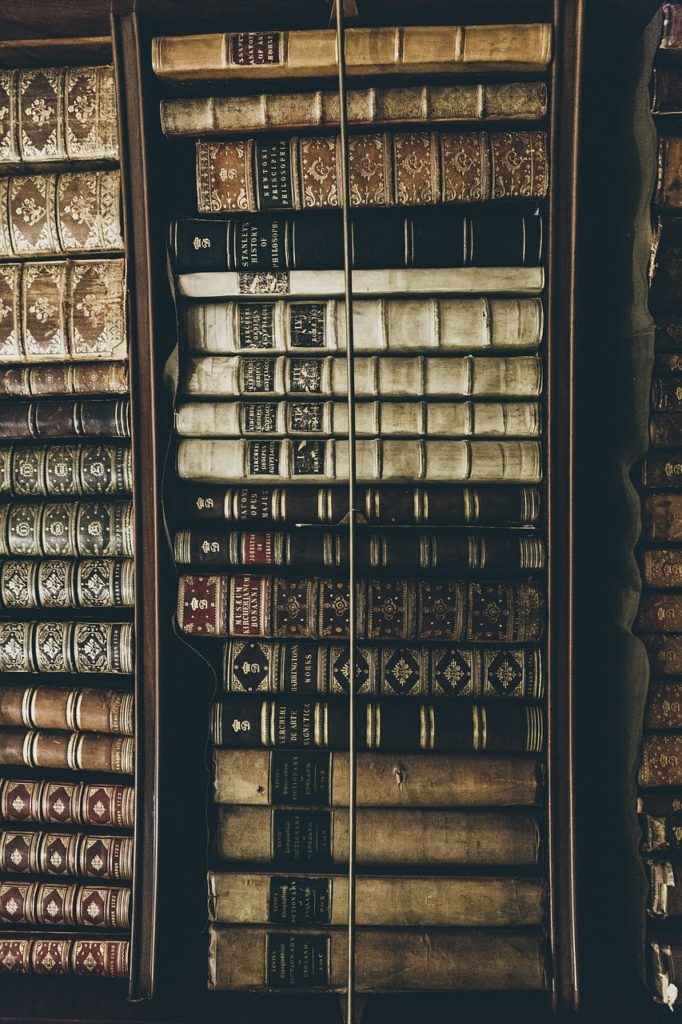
447 248
66 531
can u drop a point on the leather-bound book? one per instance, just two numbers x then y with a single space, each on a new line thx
237 460
65 470
661 761
479 101
58 114
665 653
397 726
59 214
66 418
662 469
660 817
369 51
664 705
392 549
666 91
67 583
659 613
661 567
665 364
386 376
433 670
665 430
443 901
665 886
662 517
379 325
303 418
77 710
387 609
64 904
668 333
671 36
64 379
664 956
389 959
79 751
300 778
666 391
669 180
84 528
52 954
75 854
109 805
66 310
66 647
665 273
387 506
415 168
393 239
287 837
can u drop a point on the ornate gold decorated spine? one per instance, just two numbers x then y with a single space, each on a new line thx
81 646
67 583
66 802
73 528
64 904
64 379
74 854
65 470
55 955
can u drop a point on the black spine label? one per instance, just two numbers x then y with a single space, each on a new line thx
299 668
259 417
307 325
295 725
248 48
306 417
308 458
273 174
264 458
256 325
302 901
301 837
258 375
300 778
297 961
259 244
305 376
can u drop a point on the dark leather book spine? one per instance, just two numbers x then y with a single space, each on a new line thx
662 470
388 505
666 91
387 609
66 419
666 392
661 567
82 710
100 647
665 292
423 238
396 726
664 651
71 379
309 667
66 583
661 762
668 334
101 529
51 954
661 832
440 552
659 613
665 886
108 805
669 366
65 471
662 517
64 905
75 854
664 705
665 430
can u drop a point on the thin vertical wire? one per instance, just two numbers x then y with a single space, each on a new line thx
350 367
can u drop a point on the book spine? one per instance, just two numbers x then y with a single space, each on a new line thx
408 727
662 517
217 115
66 419
71 379
65 471
300 667
79 751
454 552
665 430
661 567
432 419
664 651
387 505
383 460
67 583
386 169
101 647
312 837
666 392
659 613
403 900
67 853
664 705
82 710
64 904
382 325
300 778
398 609
665 896
662 470
661 761
80 528
669 179
108 805
390 960
661 829
50 954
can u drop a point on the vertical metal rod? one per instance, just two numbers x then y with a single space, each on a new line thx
350 368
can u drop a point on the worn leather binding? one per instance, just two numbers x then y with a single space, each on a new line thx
54 955
664 651
660 816
661 567
65 471
64 905
386 670
67 583
665 429
659 613
108 805
69 379
78 710
665 272
75 854
662 516
664 705
62 419
78 751
81 646
74 528
661 762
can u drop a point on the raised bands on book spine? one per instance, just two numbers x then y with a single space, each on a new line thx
65 471
109 805
52 954
66 647
79 751
78 710
62 905
81 855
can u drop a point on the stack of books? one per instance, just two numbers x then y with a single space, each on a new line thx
66 530
448 182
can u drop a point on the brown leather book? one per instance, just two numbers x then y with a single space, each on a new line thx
664 949
443 901
58 114
661 567
665 886
416 168
429 670
305 777
668 332
64 905
67 418
671 36
67 583
388 959
65 470
666 91
409 49
661 762
662 516
662 469
52 954
660 816
69 379
402 727
109 805
71 311
659 613
665 272
423 609
665 653
66 647
390 505
304 837
76 854
668 363
83 528
666 391
79 751
665 429
669 181
77 710
664 705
